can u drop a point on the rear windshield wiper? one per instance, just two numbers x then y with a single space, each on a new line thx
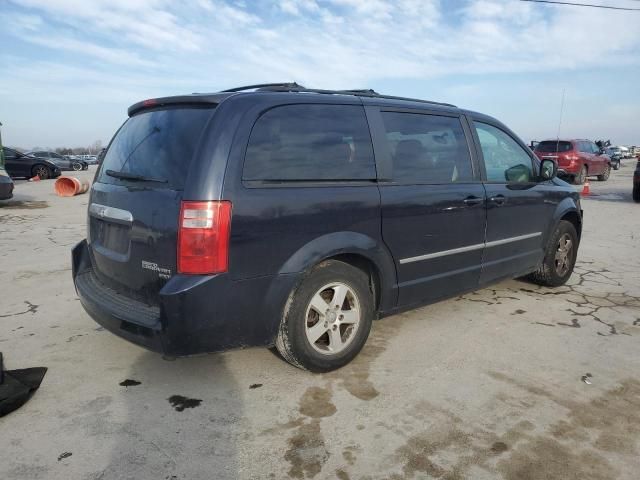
133 176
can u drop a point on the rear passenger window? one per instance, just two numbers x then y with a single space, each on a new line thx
310 142
427 148
504 159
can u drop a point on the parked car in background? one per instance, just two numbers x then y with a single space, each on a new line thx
626 152
576 159
23 165
615 154
62 161
294 217
6 184
636 182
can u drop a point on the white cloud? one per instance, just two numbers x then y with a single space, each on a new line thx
140 48
147 23
333 42
298 7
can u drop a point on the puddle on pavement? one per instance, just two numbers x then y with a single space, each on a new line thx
316 403
576 446
307 452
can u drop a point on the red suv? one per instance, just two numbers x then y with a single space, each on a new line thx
576 159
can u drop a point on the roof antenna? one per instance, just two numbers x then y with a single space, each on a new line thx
560 122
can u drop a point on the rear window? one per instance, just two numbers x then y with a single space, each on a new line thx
157 144
554 147
310 142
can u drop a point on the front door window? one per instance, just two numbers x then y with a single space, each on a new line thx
505 160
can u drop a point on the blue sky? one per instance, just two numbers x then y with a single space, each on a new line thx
71 67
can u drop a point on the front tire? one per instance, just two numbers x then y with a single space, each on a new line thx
616 165
559 258
636 193
580 178
327 318
41 171
605 175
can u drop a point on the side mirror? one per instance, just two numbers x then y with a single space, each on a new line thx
518 173
548 170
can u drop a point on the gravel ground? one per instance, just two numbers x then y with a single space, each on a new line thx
487 385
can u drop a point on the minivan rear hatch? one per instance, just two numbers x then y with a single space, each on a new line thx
135 199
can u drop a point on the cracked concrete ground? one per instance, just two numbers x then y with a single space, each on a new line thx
488 385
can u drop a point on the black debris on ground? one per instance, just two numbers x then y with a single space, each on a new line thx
17 386
129 383
180 403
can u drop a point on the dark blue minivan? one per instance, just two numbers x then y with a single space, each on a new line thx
280 215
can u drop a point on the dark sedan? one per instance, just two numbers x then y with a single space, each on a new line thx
62 161
22 165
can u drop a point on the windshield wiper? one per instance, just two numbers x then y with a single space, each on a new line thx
133 176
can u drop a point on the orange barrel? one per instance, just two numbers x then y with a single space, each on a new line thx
70 186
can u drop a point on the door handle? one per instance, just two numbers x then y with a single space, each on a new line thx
498 200
471 201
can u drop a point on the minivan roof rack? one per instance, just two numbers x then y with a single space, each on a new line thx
294 87
263 86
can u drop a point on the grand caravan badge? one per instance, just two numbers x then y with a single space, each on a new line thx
162 272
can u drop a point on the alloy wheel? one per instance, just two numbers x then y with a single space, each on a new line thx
564 255
332 318
42 172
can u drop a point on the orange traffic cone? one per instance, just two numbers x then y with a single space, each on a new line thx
585 189
35 179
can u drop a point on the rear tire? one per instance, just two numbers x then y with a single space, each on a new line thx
616 165
77 167
559 258
605 175
580 178
317 335
41 171
636 193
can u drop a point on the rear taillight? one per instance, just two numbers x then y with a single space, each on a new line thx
203 237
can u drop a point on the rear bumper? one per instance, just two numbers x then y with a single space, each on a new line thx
195 314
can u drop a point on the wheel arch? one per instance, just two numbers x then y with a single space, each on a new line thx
567 210
573 217
356 249
369 267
